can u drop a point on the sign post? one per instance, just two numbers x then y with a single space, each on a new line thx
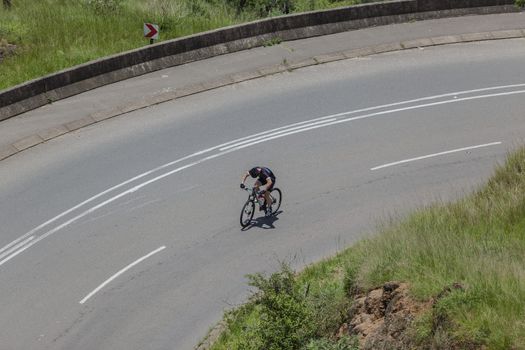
151 31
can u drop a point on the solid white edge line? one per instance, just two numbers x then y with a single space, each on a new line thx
286 131
391 111
501 87
247 145
435 155
50 221
248 137
120 273
93 209
15 247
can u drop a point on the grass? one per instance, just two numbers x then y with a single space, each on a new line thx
477 242
52 35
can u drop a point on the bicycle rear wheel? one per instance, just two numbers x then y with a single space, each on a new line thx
276 195
247 213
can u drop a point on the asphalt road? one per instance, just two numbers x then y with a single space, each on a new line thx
126 235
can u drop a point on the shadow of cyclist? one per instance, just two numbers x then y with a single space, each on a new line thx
266 223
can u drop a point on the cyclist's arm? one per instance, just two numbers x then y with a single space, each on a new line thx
244 177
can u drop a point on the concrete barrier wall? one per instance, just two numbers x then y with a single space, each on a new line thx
39 92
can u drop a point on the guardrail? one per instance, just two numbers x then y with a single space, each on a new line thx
107 70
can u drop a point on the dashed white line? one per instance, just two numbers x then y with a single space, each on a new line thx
435 155
106 282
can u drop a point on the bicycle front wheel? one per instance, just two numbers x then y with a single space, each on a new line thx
276 195
247 213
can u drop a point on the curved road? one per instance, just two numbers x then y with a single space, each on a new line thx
125 234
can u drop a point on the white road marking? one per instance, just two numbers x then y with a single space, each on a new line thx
427 105
454 94
285 132
391 111
435 155
16 247
250 141
89 200
149 172
121 209
120 273
103 204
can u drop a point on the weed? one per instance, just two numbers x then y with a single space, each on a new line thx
273 41
344 343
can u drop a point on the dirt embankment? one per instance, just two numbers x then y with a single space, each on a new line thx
382 318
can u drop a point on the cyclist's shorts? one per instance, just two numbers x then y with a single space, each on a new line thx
271 187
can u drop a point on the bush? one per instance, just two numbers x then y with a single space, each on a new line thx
285 319
263 8
520 3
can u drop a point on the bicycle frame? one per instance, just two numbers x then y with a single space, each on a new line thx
252 195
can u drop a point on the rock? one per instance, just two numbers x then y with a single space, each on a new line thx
381 317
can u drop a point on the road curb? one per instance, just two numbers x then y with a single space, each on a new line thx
42 136
110 69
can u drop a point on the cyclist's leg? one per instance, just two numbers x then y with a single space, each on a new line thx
267 197
256 186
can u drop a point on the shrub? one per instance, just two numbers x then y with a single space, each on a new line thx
285 319
263 8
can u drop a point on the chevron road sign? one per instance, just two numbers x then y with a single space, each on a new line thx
151 31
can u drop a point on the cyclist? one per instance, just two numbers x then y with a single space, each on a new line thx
266 178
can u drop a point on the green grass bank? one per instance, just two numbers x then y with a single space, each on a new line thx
51 35
477 242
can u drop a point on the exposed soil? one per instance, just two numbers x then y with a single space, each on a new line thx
381 317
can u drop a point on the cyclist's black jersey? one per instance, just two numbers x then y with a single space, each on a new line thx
264 175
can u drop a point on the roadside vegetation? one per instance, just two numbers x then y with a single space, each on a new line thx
45 36
465 260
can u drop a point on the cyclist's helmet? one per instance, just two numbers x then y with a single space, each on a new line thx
254 172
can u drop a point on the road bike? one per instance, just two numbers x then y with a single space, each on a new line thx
248 210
